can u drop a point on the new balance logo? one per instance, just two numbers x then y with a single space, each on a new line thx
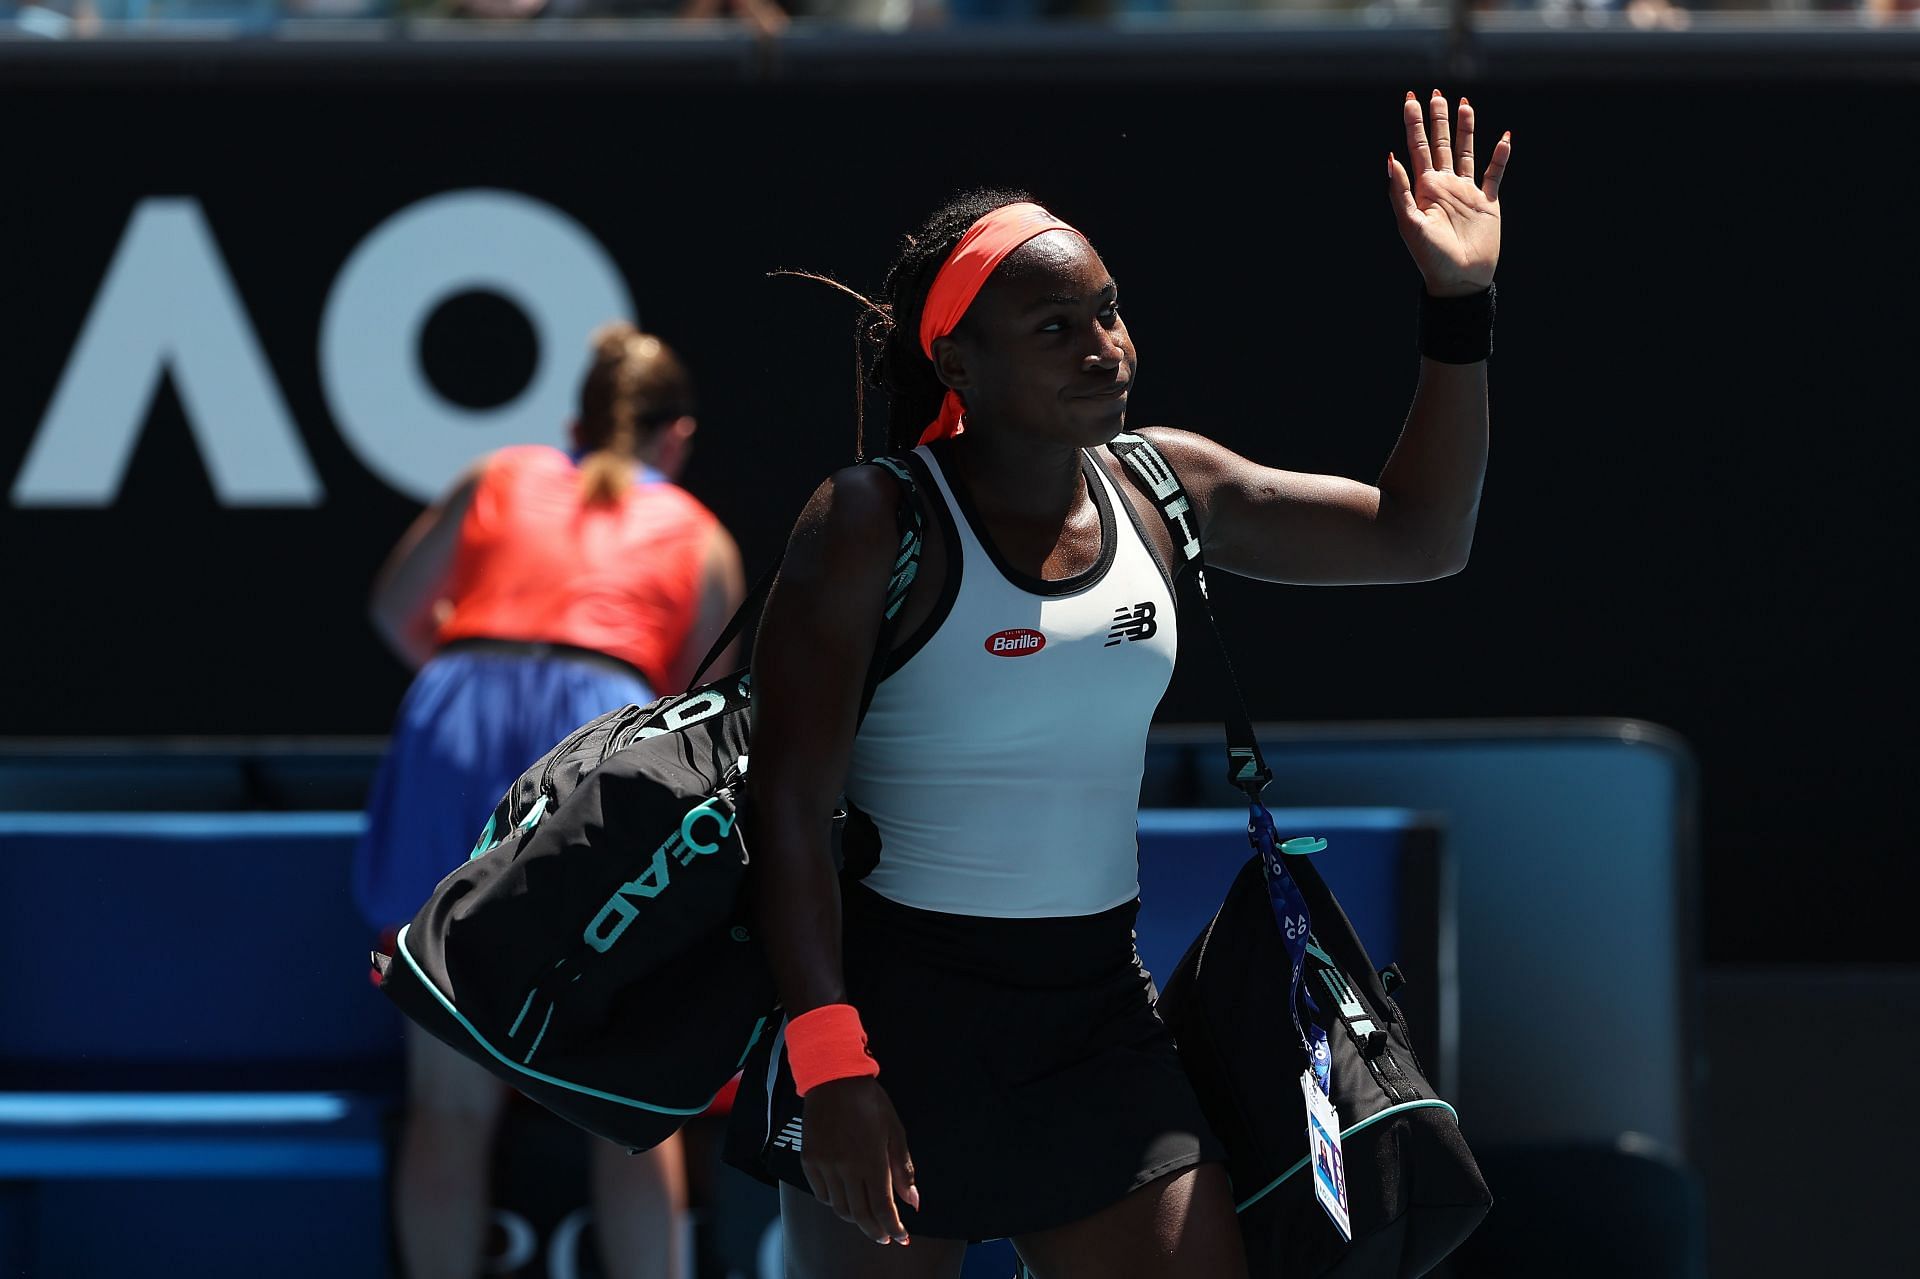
789 1138
1134 623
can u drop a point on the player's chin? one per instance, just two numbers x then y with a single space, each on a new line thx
1098 418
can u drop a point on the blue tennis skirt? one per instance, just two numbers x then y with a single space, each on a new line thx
470 724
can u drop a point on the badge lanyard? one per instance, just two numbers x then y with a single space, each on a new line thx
1296 924
1248 771
1246 768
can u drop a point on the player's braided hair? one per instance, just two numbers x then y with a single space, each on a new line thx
901 368
887 351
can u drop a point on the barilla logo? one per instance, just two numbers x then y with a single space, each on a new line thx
1015 643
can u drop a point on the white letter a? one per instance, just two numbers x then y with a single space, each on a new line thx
167 305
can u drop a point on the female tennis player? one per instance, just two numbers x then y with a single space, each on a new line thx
544 589
971 1048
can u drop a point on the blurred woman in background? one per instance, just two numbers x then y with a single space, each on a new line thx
544 589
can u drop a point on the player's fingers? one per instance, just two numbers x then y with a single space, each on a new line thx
1463 141
861 1198
1422 158
883 1209
836 1196
1497 167
1400 190
1442 133
816 1182
904 1188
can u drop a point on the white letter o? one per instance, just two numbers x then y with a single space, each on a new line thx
527 251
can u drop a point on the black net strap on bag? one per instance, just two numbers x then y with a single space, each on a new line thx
1246 766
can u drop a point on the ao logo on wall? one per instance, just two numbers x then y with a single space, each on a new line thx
168 305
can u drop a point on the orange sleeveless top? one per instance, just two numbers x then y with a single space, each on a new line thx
535 563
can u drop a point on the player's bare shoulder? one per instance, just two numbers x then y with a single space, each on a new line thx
845 541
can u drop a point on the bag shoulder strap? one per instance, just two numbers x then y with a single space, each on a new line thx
909 523
1150 470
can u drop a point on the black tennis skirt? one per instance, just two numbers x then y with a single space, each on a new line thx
1035 1081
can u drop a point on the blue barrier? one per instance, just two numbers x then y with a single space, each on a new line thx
1188 856
224 947
299 1176
229 1227
189 953
168 1135
1574 845
1573 842
208 940
1384 864
202 949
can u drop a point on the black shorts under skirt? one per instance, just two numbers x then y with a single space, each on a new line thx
1035 1081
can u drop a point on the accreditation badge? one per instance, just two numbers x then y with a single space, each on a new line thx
1323 1156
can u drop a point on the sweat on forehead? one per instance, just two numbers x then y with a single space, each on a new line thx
1053 254
1054 269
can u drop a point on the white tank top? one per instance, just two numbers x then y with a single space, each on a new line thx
1001 762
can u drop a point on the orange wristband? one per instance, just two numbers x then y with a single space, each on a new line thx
825 1044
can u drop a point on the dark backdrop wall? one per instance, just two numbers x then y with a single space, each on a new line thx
1697 510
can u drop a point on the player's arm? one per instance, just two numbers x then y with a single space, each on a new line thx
722 587
1415 524
1416 521
411 583
810 659
810 662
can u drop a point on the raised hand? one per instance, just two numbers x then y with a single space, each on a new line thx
1450 224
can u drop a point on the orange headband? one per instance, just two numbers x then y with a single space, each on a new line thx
984 247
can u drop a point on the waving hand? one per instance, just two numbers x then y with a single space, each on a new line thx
1450 224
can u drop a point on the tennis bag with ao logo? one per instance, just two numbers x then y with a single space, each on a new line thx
594 951
1280 980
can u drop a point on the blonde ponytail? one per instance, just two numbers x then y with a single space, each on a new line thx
635 385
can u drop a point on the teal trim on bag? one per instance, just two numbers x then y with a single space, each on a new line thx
534 815
534 1074
1346 1133
515 1028
752 1039
547 1021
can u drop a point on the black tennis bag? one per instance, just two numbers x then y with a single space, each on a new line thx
593 951
1415 1188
